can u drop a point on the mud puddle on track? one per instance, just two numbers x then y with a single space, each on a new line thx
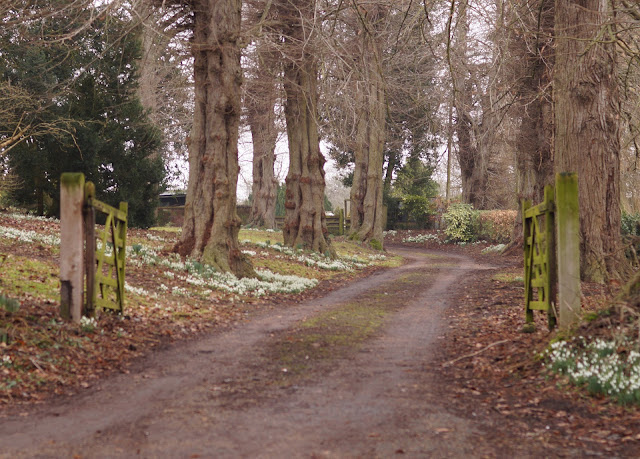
225 395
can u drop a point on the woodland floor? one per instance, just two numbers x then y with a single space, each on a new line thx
424 360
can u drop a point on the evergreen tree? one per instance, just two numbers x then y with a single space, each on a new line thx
91 82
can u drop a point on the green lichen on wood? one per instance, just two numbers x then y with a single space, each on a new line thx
72 180
568 248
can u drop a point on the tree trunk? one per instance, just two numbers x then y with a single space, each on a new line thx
260 101
211 224
367 217
472 161
447 192
531 52
587 138
305 224
392 164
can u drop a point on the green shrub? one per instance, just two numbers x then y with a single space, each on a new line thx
418 209
630 224
630 229
460 221
496 225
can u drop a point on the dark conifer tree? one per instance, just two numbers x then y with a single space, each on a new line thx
90 82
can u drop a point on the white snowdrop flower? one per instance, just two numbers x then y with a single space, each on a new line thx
494 248
88 322
29 236
153 237
179 291
138 291
420 238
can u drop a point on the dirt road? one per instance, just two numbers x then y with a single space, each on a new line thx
286 384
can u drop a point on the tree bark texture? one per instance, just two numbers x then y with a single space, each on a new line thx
211 224
531 63
367 217
260 99
305 224
532 45
587 137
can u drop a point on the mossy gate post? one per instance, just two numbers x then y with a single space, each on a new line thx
102 264
71 246
552 253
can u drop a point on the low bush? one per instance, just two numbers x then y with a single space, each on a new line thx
496 225
630 229
630 224
460 221
419 209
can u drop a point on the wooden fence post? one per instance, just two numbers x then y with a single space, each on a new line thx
71 245
568 248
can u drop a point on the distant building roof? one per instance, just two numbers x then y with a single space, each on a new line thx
172 198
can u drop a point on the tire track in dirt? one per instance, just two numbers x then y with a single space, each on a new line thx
375 402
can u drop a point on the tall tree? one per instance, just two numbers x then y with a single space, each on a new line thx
379 101
165 86
531 56
478 99
473 166
367 217
629 70
587 134
211 223
305 223
260 100
262 77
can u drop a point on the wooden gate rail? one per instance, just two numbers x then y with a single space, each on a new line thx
105 269
539 257
552 253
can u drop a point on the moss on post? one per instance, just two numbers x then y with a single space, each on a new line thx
568 248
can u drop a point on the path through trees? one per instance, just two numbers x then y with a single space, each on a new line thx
245 393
